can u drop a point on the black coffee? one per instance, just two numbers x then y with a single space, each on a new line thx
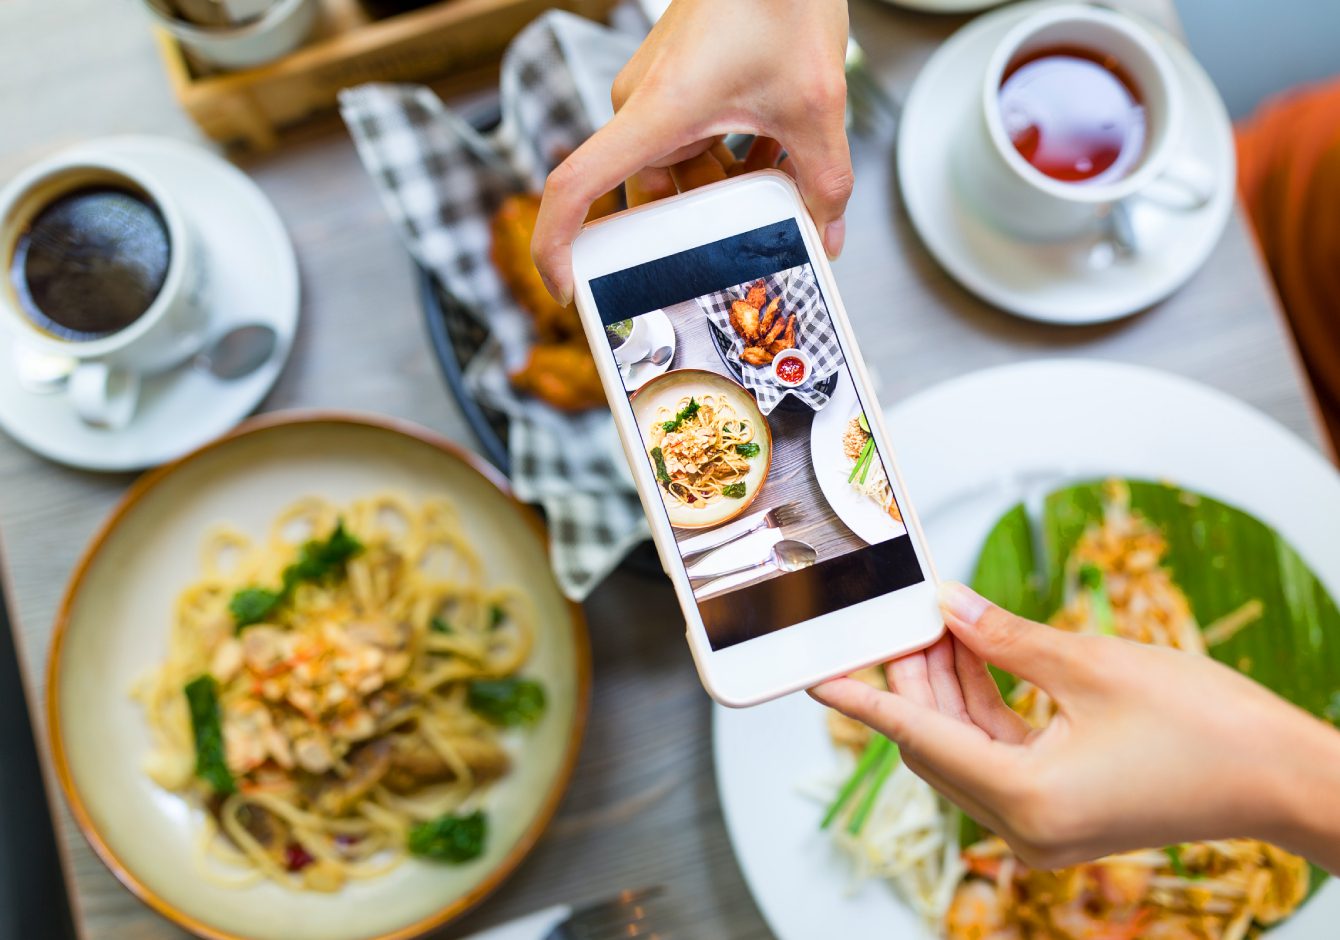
91 262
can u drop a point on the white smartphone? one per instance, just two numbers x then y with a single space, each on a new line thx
754 438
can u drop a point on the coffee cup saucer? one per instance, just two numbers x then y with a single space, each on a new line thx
1075 281
251 276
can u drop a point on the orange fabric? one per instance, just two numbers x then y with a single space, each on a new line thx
1289 178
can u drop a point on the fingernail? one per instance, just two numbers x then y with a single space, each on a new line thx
964 603
553 290
834 235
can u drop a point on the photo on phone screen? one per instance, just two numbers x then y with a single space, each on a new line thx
750 421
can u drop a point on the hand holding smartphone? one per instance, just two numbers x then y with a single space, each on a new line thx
754 438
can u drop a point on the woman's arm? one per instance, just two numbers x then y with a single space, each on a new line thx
1149 746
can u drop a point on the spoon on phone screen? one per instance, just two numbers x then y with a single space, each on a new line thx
787 555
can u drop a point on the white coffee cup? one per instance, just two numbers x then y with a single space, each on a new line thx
999 184
105 379
276 32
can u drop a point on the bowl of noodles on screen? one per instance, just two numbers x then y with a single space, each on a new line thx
707 442
316 680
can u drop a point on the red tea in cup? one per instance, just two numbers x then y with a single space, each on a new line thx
1073 113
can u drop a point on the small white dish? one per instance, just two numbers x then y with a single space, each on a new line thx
654 332
1155 427
252 276
1081 280
777 368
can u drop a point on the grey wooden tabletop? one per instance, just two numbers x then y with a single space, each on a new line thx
643 807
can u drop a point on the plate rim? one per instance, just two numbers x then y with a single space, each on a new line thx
147 484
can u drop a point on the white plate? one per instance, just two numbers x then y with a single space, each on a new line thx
113 626
1072 281
831 467
252 277
660 332
1027 422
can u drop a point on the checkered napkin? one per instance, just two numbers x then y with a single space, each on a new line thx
441 181
814 336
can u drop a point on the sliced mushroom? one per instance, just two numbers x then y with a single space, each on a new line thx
270 832
337 794
415 762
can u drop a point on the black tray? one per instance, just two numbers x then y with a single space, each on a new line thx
457 338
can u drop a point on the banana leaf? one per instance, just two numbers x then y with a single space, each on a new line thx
1220 556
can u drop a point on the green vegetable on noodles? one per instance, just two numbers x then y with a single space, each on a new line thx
506 702
688 411
253 605
318 560
887 762
1174 853
862 466
1091 579
734 490
874 750
749 449
450 838
438 625
658 457
496 616
202 697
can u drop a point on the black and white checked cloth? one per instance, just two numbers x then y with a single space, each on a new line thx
814 336
441 181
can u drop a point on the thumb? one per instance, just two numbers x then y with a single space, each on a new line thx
1033 651
820 160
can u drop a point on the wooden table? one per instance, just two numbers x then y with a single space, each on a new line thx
643 806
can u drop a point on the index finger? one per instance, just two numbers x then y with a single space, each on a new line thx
612 154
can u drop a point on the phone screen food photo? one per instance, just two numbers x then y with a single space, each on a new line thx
749 419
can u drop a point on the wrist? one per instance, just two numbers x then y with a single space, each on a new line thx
1302 814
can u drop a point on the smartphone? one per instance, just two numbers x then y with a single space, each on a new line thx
754 438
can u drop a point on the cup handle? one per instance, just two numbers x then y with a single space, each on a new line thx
1185 186
104 396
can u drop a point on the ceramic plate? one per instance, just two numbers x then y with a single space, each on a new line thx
1030 423
666 392
113 625
1075 281
831 468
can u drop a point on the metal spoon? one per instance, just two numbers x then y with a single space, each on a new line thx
238 352
659 357
787 555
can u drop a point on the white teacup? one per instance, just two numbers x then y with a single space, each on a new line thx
1002 186
104 382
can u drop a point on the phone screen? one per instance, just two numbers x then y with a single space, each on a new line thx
752 425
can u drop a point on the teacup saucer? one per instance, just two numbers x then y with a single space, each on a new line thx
1076 281
251 276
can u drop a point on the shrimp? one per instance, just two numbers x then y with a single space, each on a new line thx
979 913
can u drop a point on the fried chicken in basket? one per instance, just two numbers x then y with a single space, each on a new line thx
765 331
560 370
